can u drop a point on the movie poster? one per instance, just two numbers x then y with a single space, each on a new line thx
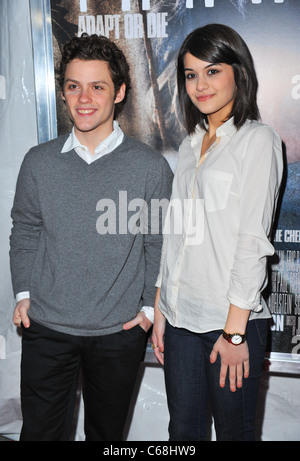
150 33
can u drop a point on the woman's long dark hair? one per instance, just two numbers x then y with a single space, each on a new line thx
217 43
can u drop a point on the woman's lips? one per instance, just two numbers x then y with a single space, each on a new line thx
205 97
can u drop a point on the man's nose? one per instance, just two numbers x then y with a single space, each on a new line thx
85 96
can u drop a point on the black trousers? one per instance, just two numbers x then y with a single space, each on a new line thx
50 366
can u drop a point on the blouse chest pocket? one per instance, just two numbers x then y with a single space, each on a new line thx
216 187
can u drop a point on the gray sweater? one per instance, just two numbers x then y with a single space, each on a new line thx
86 274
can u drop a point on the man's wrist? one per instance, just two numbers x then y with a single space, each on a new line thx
22 295
149 312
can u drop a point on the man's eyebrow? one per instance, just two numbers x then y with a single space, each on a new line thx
102 82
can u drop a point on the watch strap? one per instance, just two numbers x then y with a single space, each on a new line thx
229 336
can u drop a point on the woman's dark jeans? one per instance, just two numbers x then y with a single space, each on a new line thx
192 382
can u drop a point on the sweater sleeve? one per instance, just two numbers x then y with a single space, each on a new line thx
26 227
158 195
259 186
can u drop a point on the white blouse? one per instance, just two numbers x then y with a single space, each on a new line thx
216 238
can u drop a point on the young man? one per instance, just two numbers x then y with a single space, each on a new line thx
84 288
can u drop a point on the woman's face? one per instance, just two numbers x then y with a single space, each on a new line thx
211 87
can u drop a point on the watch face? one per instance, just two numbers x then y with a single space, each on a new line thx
236 339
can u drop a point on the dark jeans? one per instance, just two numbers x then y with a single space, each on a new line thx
192 381
50 367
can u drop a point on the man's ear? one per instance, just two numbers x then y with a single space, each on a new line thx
120 93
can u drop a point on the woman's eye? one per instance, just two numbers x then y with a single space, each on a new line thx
213 71
189 76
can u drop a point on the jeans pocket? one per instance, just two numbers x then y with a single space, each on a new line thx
261 327
138 327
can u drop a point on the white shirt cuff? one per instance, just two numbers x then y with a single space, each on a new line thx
149 312
22 295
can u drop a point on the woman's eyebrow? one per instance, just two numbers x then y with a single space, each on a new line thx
206 67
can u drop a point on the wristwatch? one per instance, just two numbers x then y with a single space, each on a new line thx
235 338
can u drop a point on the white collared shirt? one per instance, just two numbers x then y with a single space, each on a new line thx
103 148
216 232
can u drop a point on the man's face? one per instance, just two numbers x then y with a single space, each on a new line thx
90 98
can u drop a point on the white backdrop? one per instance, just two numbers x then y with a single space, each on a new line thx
17 135
279 406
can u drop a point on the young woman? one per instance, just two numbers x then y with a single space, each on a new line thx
211 322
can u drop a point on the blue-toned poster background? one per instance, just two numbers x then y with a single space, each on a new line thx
150 32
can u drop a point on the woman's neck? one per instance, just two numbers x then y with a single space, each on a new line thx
210 136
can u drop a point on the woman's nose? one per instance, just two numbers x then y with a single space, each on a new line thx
202 83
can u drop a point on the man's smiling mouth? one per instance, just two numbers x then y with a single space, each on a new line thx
86 111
